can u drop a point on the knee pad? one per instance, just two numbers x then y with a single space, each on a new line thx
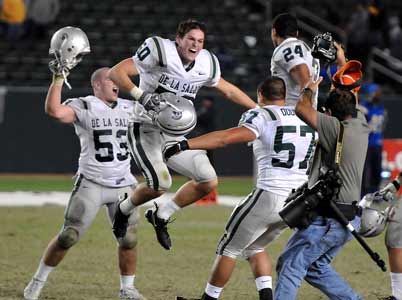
67 238
246 254
163 177
204 171
393 235
129 241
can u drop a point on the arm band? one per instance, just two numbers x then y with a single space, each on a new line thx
57 80
136 92
308 92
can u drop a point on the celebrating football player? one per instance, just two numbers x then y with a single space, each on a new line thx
101 123
292 60
282 146
393 236
393 240
180 67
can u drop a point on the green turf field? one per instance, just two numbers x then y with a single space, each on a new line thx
39 183
90 272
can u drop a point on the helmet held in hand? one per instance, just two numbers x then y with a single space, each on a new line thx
323 47
373 222
68 45
176 115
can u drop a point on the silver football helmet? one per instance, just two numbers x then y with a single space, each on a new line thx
373 222
176 115
68 45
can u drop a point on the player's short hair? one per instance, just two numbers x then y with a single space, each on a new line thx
342 103
96 75
272 88
188 25
285 25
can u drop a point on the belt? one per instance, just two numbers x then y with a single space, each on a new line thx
350 210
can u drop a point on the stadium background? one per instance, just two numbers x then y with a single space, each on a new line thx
238 33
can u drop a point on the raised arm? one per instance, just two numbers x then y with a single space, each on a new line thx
120 74
340 55
234 94
304 107
53 106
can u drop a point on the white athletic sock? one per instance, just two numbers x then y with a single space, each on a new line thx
43 271
396 284
126 281
213 291
127 206
167 209
263 282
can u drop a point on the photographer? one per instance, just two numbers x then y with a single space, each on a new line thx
310 251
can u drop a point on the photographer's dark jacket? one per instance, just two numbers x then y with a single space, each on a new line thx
354 150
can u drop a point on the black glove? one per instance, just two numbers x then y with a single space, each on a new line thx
169 151
150 101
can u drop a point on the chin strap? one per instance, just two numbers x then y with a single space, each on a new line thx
65 79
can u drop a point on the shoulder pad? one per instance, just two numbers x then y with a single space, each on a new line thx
213 64
160 48
271 113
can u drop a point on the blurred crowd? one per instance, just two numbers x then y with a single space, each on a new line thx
372 25
21 19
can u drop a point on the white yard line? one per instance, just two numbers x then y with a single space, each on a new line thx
61 198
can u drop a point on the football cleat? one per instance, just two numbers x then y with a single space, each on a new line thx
120 223
184 298
388 298
160 226
130 294
33 289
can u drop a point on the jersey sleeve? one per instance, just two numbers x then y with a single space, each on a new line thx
328 128
146 58
254 120
291 55
78 105
215 70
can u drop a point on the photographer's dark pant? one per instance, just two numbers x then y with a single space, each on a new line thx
308 255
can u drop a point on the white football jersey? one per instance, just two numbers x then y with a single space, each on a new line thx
282 149
290 53
161 69
102 130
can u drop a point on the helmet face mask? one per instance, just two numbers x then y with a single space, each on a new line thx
68 45
323 48
176 116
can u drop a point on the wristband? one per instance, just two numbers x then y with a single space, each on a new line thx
396 184
58 80
308 92
184 145
136 92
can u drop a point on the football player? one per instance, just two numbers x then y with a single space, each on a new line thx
282 146
101 124
292 60
393 237
181 67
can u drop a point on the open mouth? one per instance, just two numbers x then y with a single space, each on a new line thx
115 90
192 51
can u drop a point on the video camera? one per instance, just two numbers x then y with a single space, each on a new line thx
301 207
323 47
